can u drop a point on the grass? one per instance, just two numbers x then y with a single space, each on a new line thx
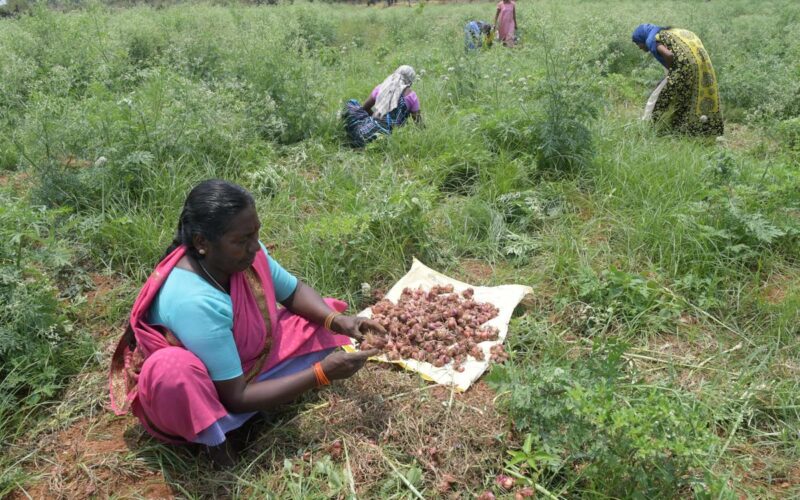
659 355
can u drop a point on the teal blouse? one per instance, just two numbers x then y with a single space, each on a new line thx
201 316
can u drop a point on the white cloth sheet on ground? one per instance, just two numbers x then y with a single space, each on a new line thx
504 297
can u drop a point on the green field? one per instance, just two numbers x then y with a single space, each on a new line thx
660 357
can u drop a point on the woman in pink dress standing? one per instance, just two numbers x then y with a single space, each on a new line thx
506 21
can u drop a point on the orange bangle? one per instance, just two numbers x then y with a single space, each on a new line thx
319 373
316 374
329 319
325 380
322 379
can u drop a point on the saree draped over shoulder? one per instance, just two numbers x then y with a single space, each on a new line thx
169 389
689 102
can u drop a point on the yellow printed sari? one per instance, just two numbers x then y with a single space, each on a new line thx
689 103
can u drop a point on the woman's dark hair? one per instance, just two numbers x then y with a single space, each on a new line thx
208 211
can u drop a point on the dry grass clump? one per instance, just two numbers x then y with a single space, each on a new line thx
386 418
377 425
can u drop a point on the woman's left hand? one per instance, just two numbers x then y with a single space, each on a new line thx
356 326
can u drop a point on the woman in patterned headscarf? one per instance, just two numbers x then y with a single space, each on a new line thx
687 100
388 106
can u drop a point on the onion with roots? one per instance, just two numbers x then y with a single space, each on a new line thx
438 327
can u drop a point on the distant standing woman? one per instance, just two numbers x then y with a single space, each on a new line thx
506 21
687 100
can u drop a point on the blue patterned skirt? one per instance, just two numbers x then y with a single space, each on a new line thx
362 128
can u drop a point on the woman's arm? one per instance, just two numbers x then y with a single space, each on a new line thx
412 100
237 396
514 13
306 302
665 54
368 104
496 15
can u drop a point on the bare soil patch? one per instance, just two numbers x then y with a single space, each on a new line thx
767 473
18 181
476 271
104 284
384 417
743 138
91 458
777 287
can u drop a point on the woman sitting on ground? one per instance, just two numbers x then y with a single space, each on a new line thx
388 106
206 346
687 99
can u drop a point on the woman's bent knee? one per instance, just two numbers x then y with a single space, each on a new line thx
172 366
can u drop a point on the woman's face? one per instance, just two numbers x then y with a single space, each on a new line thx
642 46
235 250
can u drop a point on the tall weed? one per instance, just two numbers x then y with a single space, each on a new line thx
39 344
565 140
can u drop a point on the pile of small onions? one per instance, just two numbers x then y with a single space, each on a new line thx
438 326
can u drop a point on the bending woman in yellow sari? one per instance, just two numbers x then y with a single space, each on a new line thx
687 100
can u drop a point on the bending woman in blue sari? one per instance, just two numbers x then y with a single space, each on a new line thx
478 34
388 106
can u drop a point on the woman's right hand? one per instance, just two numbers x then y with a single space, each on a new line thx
238 396
340 364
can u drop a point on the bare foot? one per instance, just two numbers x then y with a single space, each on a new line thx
224 456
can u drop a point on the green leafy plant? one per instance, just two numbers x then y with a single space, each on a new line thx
743 216
613 297
621 56
531 462
515 131
39 345
530 209
589 427
565 142
788 131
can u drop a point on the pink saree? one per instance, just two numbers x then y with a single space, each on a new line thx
168 388
505 22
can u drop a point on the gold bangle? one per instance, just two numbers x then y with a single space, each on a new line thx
329 319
